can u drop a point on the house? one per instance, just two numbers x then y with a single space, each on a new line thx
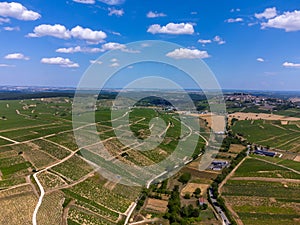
218 165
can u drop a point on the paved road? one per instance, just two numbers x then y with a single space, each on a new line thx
221 213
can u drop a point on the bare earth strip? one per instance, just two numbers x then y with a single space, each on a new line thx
268 179
263 116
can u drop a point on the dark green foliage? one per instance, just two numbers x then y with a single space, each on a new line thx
184 178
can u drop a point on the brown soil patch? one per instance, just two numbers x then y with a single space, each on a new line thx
235 148
190 188
297 158
263 116
156 205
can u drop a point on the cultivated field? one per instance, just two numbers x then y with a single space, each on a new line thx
264 190
270 133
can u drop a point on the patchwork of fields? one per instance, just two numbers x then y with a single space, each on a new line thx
36 137
270 133
264 191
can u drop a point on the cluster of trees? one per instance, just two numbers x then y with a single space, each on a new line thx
180 215
196 194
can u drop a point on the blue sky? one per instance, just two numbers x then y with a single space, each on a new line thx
249 44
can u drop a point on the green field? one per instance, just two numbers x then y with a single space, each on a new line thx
269 133
256 168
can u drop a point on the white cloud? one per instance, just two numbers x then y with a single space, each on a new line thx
172 28
235 10
16 56
85 1
11 28
219 40
232 20
267 14
291 65
57 30
6 65
289 21
194 13
113 46
88 34
60 31
96 62
260 60
4 20
114 65
63 62
204 41
185 53
105 47
152 14
17 11
112 2
114 60
116 12
79 49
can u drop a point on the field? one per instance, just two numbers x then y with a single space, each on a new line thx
264 190
270 133
156 205
37 136
17 205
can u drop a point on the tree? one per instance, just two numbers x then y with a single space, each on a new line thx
197 191
184 178
187 196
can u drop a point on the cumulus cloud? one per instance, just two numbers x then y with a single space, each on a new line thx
11 28
4 20
85 1
291 65
172 28
60 31
289 21
113 46
260 60
16 56
57 30
219 40
152 14
185 53
105 47
88 34
79 49
17 11
267 14
234 20
63 62
116 12
112 2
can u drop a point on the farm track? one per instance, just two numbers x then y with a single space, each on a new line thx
285 167
268 179
8 139
233 213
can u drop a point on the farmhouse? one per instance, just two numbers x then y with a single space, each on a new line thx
218 165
